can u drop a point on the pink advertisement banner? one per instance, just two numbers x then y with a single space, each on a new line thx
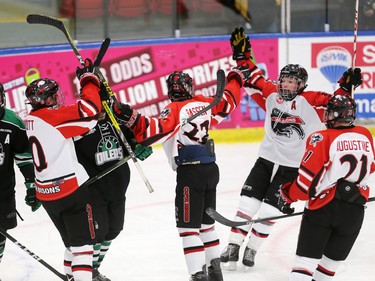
137 74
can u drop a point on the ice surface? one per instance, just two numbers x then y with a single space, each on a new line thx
149 248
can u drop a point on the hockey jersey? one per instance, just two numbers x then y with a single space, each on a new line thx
288 123
334 154
167 128
50 131
14 148
101 148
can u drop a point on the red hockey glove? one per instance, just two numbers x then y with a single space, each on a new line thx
87 73
284 192
350 78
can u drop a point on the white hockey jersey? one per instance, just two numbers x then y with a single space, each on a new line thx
50 132
289 123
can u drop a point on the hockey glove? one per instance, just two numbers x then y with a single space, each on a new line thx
284 200
87 73
30 198
103 93
240 44
350 78
126 115
240 73
140 151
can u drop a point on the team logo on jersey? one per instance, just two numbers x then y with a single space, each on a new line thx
109 149
283 124
165 113
316 137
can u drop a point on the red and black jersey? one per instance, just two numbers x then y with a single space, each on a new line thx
167 128
50 130
333 154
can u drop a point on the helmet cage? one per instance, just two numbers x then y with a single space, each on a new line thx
340 108
39 91
292 81
180 86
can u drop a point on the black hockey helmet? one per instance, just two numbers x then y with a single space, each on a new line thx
39 90
2 96
340 108
180 86
299 76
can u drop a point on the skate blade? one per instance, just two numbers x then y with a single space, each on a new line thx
247 268
229 266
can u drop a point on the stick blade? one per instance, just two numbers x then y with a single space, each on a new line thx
103 49
43 19
220 86
223 220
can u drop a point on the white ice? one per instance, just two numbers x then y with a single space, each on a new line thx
149 248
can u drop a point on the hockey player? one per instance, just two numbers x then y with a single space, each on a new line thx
292 114
333 178
58 174
14 148
190 152
98 150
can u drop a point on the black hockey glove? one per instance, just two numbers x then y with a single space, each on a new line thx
126 115
86 73
350 78
140 151
30 198
240 43
284 200
103 93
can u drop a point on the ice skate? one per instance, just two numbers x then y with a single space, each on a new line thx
199 276
97 276
230 256
214 271
69 277
248 257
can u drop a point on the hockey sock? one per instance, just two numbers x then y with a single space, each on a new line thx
211 242
193 249
103 251
95 259
326 269
68 257
82 262
247 208
261 231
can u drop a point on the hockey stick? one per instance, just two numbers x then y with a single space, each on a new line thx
219 94
223 220
106 171
43 19
354 59
11 238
